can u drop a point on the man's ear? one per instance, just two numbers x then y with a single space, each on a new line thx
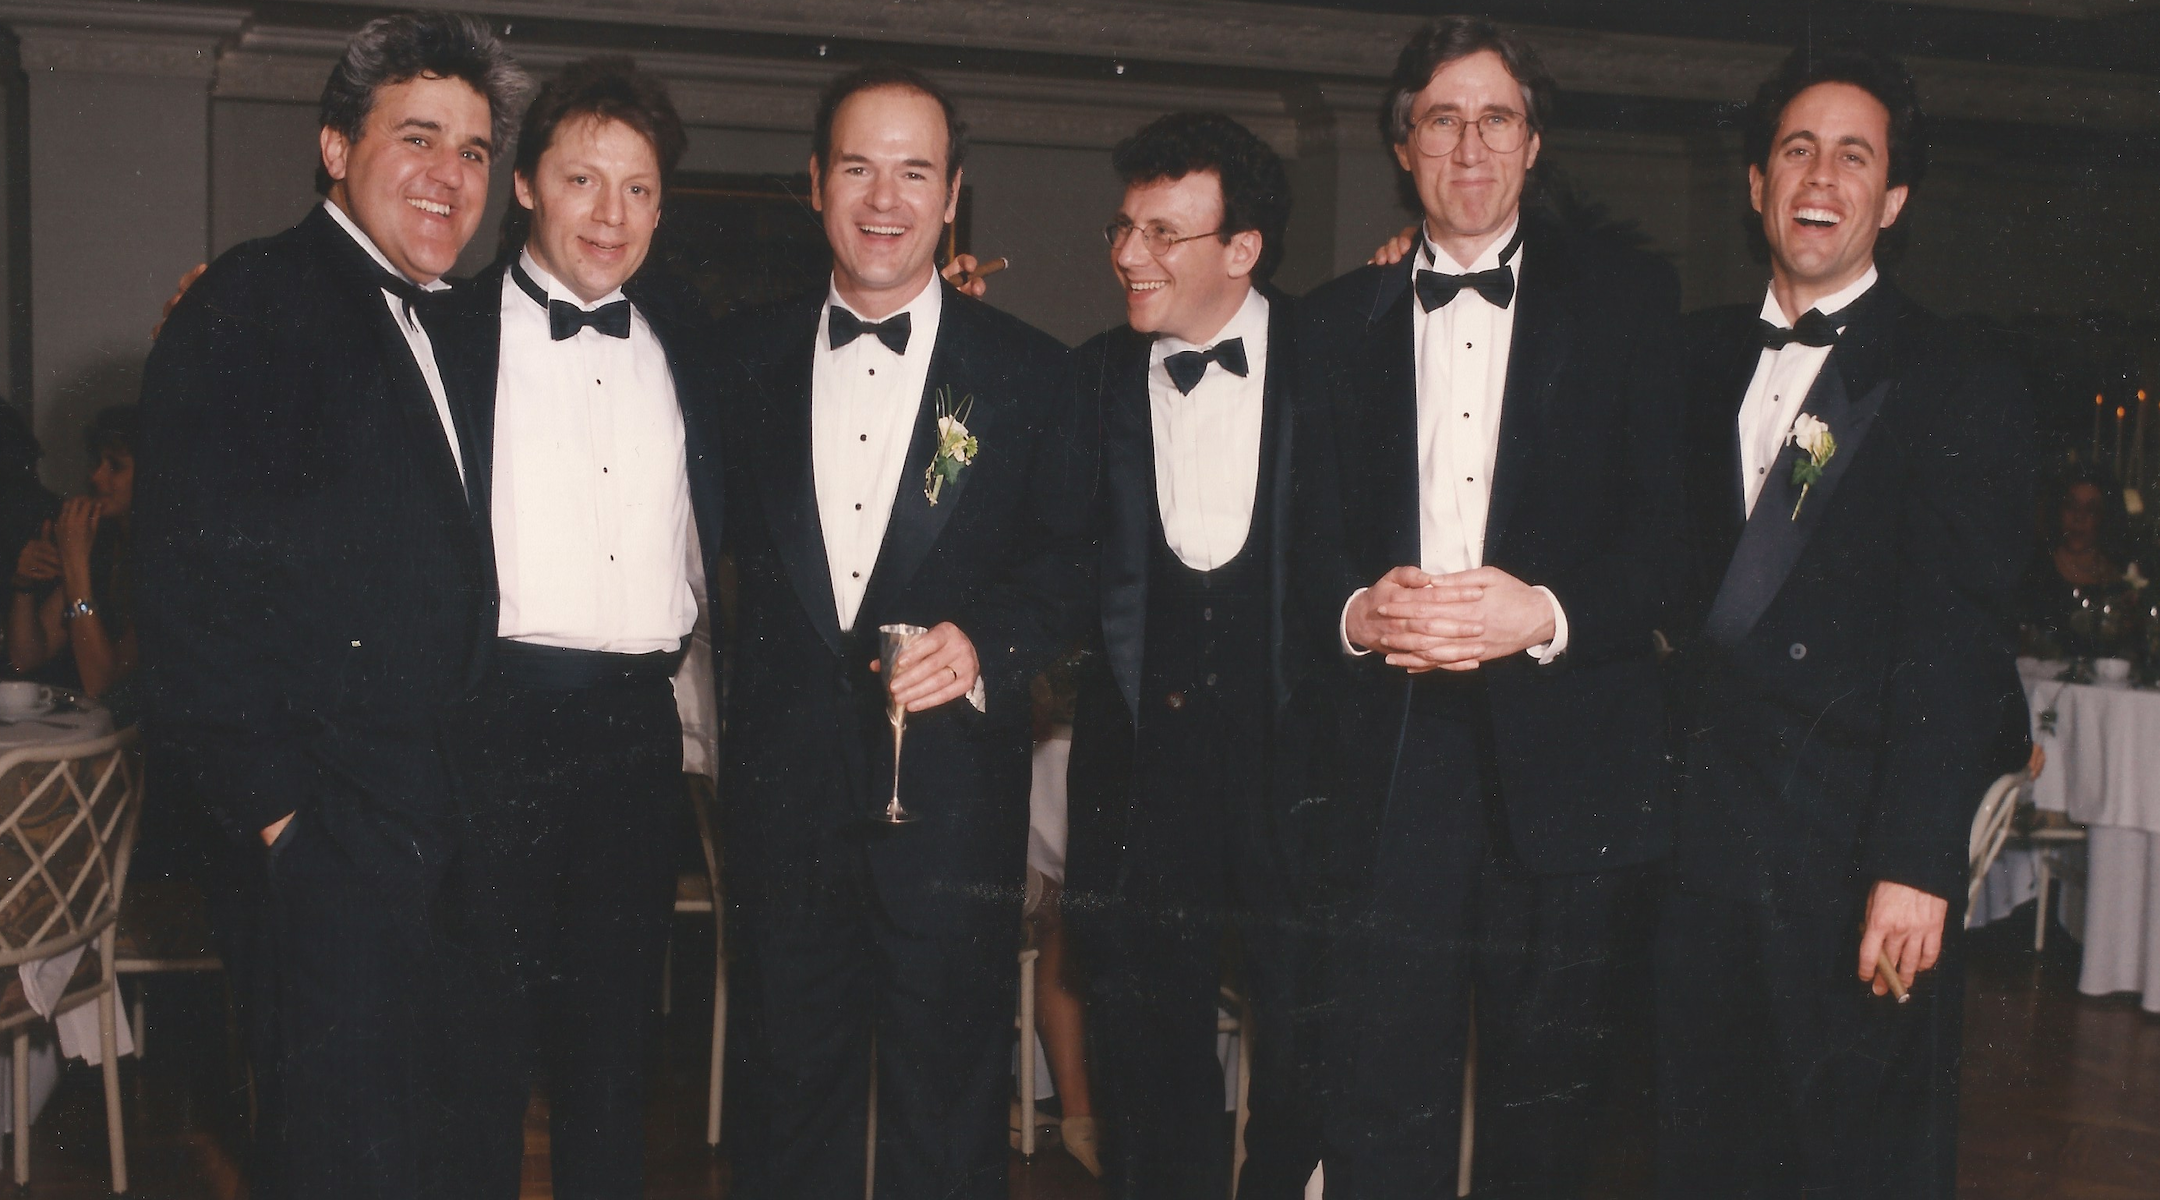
336 151
817 186
952 196
1893 204
521 187
1755 186
1242 253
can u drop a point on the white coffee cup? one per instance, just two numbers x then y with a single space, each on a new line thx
2112 670
21 699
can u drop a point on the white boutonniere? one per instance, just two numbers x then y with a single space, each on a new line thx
956 447
1816 445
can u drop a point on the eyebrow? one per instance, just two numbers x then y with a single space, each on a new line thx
905 162
422 123
1850 139
1451 106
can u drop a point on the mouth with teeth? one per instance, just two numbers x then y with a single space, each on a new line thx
433 208
1817 218
882 230
1147 285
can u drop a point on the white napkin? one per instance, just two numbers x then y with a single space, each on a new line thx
44 981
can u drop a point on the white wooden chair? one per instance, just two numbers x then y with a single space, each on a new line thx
2051 844
70 813
1990 829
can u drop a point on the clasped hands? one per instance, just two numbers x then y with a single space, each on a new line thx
1426 622
937 668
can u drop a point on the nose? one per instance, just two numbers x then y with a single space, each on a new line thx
883 194
1131 251
608 209
1471 149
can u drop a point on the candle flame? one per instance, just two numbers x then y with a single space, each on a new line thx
2119 412
2098 399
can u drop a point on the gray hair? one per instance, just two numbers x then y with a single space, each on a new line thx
441 45
1452 38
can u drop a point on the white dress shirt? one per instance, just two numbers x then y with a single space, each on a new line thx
864 400
1782 380
591 494
423 350
1461 349
1207 443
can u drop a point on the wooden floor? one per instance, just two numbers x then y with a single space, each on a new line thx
2062 1099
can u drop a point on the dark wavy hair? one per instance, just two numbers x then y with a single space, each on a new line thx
112 430
1451 38
881 75
1873 72
403 46
607 87
1255 187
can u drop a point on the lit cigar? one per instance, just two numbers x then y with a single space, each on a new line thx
984 270
1887 972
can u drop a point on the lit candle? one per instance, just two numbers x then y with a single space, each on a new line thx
2098 400
2118 443
2137 442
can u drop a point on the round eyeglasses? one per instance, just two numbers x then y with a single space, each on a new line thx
1158 240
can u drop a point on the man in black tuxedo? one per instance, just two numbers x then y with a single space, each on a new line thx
593 394
1486 480
1843 693
319 596
848 511
1172 840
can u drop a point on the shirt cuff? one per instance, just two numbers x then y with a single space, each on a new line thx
979 697
1548 651
1342 626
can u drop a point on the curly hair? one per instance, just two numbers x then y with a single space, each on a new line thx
882 75
1255 187
1447 40
404 46
607 87
1873 72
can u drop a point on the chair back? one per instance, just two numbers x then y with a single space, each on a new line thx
1991 828
67 826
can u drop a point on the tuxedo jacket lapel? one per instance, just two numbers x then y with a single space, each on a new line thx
468 350
1274 485
1847 395
916 522
1538 350
1129 479
678 333
1382 431
787 481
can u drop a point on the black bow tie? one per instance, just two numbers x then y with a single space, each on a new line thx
565 318
412 294
1187 366
1812 329
842 327
1436 288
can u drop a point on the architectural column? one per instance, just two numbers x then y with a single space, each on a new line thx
118 128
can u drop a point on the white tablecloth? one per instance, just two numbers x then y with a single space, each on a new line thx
2103 769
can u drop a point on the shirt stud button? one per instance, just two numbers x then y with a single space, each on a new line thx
862 437
858 508
854 574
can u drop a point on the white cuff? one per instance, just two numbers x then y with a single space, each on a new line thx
979 698
1342 626
1548 651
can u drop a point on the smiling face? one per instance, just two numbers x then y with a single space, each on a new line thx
884 196
416 178
1826 196
1194 289
595 201
1471 193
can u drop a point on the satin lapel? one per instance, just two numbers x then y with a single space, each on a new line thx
916 522
1274 490
1379 458
695 398
468 350
1718 503
1773 537
789 490
1544 334
1129 479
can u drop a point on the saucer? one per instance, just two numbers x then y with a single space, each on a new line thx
27 714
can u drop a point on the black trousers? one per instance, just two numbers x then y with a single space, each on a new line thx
1196 870
557 912
1452 919
342 993
821 970
1780 1074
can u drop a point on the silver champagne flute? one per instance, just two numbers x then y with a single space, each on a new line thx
892 639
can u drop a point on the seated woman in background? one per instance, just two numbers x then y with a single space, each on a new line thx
71 622
2083 531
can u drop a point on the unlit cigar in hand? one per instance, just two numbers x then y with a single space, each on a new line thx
1887 972
984 270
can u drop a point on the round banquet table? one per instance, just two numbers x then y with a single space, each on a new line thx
2103 770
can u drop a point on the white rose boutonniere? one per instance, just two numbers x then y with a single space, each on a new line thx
956 447
1816 446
